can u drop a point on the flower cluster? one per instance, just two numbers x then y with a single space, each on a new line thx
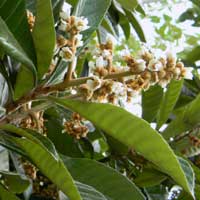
76 127
151 70
70 27
112 82
101 64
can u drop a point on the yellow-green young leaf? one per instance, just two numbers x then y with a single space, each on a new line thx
135 133
169 101
10 46
24 83
53 169
6 195
44 35
129 4
186 121
136 25
151 100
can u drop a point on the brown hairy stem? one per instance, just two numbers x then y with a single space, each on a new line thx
41 91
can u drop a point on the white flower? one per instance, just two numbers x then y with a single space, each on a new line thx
106 53
66 10
141 65
177 71
64 15
188 73
171 56
79 41
155 65
119 89
100 62
81 23
124 53
62 26
94 83
66 53
91 64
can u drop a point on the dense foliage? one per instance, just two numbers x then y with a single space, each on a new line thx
69 121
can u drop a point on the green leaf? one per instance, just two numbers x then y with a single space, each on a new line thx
4 90
136 25
107 24
186 121
184 196
5 194
14 15
151 100
42 152
134 132
11 46
129 4
14 182
149 178
94 11
24 82
102 178
88 193
188 172
49 166
57 6
169 101
124 23
141 10
193 55
44 36
33 136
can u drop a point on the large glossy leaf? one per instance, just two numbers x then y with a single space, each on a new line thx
24 83
44 36
49 166
134 132
33 136
169 101
5 194
185 121
94 11
102 178
88 193
14 15
11 46
151 100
